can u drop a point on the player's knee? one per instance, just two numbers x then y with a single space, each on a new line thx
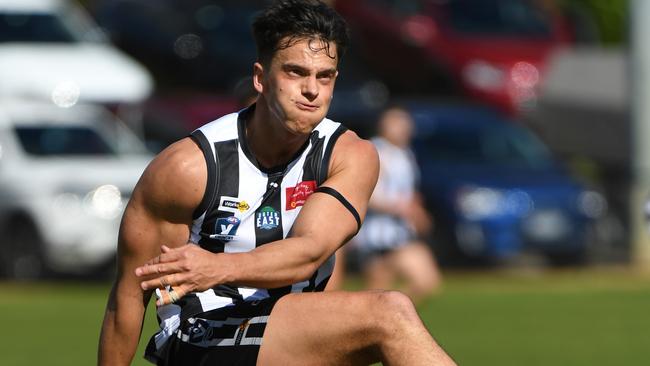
395 309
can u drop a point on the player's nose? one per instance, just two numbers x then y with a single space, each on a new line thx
310 88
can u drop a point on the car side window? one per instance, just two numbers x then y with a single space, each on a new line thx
33 28
53 140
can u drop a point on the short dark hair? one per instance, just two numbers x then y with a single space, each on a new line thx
286 22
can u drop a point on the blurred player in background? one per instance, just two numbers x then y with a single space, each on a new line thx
389 243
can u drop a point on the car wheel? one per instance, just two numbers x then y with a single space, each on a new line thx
446 249
21 251
444 246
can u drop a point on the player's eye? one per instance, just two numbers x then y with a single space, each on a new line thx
326 77
295 72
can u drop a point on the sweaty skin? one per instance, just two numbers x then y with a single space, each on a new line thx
299 83
295 91
159 212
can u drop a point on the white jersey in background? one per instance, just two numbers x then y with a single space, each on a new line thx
398 178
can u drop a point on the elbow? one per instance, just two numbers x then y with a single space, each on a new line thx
304 275
313 260
309 271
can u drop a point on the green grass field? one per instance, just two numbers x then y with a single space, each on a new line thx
583 317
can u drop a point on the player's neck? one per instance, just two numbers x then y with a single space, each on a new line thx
271 144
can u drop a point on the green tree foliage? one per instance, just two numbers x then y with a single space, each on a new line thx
608 17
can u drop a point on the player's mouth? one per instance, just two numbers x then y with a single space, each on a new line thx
307 107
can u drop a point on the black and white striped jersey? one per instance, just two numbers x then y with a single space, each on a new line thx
246 206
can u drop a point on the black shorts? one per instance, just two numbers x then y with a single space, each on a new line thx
225 336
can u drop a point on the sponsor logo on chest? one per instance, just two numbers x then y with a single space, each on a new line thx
232 204
296 196
226 228
267 218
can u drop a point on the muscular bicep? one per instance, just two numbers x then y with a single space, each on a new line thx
142 233
353 174
160 210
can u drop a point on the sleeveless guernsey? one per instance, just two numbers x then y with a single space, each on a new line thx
246 206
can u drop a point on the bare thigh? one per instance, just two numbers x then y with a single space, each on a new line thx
348 328
325 328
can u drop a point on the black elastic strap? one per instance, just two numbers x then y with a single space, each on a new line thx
334 193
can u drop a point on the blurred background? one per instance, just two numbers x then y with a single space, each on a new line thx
530 128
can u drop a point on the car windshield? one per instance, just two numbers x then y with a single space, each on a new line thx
62 141
498 17
34 28
498 145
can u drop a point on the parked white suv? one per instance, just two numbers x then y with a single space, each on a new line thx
65 177
51 49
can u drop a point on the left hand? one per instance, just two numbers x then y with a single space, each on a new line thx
181 270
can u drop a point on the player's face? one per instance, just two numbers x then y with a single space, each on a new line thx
397 127
299 83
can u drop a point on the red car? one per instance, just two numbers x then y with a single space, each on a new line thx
493 51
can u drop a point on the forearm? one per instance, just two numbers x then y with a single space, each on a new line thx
120 329
276 264
117 345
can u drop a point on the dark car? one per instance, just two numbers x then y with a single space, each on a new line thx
494 51
202 51
495 190
197 44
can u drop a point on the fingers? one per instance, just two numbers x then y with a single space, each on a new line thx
168 270
154 260
157 269
167 296
168 281
171 295
163 263
168 255
174 279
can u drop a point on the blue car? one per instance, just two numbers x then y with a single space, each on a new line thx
495 190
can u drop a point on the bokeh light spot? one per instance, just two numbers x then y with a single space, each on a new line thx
188 46
66 94
524 75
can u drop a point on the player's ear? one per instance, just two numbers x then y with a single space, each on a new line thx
258 77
